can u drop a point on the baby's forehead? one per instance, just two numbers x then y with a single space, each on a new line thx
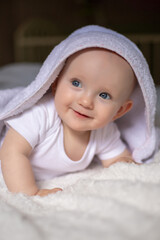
95 54
86 51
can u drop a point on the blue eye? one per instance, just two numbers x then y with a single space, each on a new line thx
76 83
104 95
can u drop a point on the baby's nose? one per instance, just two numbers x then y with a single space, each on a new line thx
86 101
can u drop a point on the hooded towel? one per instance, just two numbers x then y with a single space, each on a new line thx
136 127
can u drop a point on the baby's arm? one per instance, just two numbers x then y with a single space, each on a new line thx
125 156
16 167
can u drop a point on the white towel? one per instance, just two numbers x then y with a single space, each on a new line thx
137 127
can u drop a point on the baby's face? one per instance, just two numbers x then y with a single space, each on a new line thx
93 89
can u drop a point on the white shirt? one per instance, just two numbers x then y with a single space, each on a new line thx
42 128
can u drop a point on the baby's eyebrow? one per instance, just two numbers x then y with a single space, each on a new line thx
104 89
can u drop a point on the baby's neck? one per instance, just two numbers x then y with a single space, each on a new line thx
75 143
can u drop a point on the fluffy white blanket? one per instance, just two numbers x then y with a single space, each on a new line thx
121 202
118 203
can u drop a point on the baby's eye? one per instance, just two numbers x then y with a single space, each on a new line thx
76 83
104 95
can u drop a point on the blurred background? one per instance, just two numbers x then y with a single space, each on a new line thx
31 28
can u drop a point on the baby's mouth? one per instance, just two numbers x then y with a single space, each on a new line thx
81 115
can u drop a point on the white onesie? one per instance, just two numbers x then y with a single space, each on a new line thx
42 128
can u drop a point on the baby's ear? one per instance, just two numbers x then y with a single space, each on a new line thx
126 107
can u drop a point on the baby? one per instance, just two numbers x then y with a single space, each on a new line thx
91 92
95 76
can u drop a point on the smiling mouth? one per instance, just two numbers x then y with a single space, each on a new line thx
81 115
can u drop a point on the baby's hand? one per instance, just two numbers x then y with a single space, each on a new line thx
45 192
123 157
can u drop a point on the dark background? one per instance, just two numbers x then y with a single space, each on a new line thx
125 16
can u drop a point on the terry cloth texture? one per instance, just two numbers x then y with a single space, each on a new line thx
137 127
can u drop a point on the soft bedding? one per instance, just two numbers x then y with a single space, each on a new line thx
120 202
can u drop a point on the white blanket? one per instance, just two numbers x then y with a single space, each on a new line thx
121 202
